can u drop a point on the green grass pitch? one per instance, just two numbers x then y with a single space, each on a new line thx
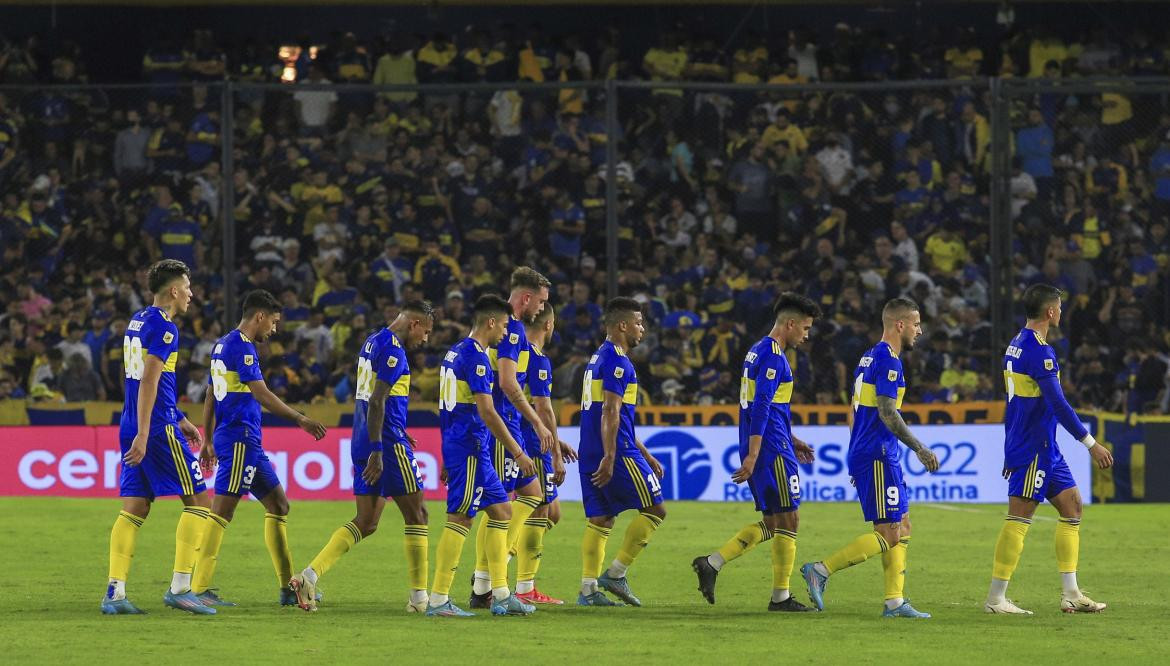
55 554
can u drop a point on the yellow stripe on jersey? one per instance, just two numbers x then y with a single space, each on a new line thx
639 483
631 396
1025 386
186 483
522 361
868 396
596 393
783 393
468 485
171 363
401 388
463 394
234 385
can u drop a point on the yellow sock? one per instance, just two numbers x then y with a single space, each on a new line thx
276 538
637 536
188 535
593 550
1008 546
783 557
123 536
1068 544
447 556
894 568
530 548
208 555
747 538
343 538
415 543
859 550
522 509
497 552
481 557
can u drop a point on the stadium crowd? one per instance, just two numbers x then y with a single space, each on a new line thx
350 202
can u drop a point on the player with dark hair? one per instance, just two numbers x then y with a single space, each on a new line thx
466 415
232 412
383 456
874 462
617 472
510 358
1033 464
550 466
153 435
769 453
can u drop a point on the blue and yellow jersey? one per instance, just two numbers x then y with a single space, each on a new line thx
234 363
382 358
610 370
150 332
539 385
466 370
879 373
513 345
177 240
1029 422
765 393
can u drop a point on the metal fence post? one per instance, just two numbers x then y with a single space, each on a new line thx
1001 216
228 201
611 213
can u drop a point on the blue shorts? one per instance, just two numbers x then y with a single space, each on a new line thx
472 482
882 492
775 484
168 468
544 467
1044 478
633 486
244 468
400 474
501 458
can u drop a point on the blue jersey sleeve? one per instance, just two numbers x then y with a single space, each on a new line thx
887 371
248 364
767 380
1046 374
162 339
477 370
509 346
389 364
540 378
616 376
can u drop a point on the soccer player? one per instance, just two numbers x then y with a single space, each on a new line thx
153 436
617 472
550 466
769 453
874 462
1033 464
466 415
232 412
383 456
510 358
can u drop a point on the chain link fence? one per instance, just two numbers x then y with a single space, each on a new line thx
1089 199
347 200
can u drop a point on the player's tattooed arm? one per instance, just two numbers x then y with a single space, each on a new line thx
888 411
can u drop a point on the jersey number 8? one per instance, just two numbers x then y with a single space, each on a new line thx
132 357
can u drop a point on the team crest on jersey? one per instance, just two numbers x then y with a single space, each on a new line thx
168 337
893 375
514 338
771 373
480 370
248 359
392 361
1048 365
542 374
618 372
